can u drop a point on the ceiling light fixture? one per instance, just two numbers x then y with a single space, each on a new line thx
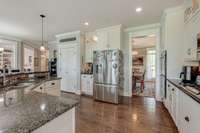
135 53
139 9
42 48
86 24
95 38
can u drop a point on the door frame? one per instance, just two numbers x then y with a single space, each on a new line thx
67 45
145 31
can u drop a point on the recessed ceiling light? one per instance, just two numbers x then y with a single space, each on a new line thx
139 9
86 23
135 53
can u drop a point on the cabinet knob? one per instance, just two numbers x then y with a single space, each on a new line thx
187 119
172 89
40 88
52 83
168 85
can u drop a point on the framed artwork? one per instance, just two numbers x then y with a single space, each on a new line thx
191 9
138 61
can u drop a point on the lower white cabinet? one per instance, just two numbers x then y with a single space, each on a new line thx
49 87
87 84
189 115
184 110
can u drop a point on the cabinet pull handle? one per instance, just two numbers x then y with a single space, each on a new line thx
168 85
187 119
52 83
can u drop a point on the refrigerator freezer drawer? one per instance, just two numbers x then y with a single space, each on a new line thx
106 93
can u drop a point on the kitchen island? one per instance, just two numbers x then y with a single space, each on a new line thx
24 110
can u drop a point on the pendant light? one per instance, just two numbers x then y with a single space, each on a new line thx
42 48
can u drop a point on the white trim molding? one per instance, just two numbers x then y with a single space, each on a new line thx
141 31
143 27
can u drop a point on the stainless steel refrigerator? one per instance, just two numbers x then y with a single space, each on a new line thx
107 75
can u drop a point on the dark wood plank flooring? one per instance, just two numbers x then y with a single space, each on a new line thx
134 115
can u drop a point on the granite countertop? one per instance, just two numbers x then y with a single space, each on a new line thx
18 73
24 110
178 84
34 82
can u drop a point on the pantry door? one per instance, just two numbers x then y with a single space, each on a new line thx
68 68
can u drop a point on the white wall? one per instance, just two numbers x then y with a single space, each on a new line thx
172 40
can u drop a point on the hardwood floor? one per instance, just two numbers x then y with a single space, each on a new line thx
134 115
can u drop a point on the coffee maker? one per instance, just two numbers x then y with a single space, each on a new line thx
189 74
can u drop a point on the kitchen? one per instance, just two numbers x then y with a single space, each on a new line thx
64 72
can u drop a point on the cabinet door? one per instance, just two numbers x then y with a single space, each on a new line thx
114 38
89 53
90 85
102 43
189 115
174 103
190 41
168 98
83 84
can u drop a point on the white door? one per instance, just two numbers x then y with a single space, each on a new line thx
68 69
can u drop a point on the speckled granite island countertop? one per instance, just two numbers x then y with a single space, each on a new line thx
24 110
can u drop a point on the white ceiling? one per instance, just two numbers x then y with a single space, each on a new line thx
144 42
20 18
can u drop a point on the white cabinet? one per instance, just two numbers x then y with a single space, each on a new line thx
89 53
189 115
108 38
87 84
174 103
190 38
171 102
183 109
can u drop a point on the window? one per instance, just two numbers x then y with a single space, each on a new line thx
151 64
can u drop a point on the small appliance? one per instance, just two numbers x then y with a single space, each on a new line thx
53 67
189 74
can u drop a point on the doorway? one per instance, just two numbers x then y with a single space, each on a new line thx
68 68
144 65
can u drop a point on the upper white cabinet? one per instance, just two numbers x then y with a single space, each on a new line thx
190 38
107 38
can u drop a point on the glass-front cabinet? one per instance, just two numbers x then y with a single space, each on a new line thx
8 54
